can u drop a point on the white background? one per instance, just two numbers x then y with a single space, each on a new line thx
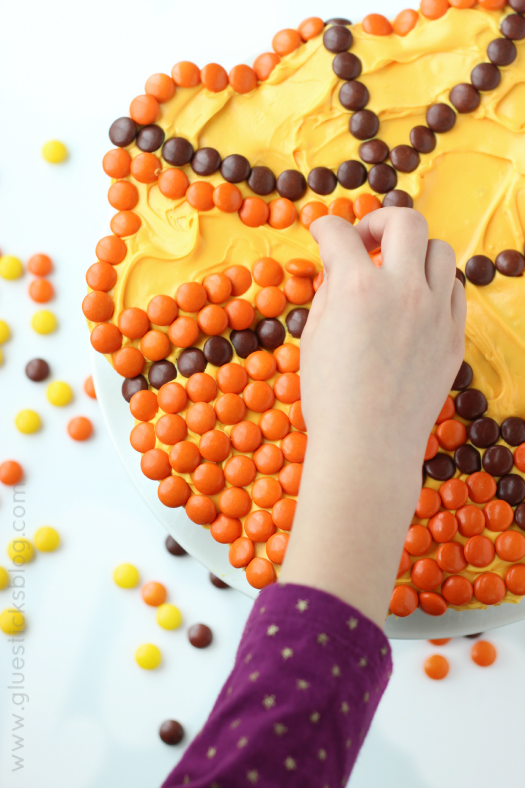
67 70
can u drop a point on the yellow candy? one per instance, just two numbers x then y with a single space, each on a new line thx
10 267
28 421
4 578
126 576
59 393
5 332
54 152
46 539
148 656
44 322
169 616
20 551
12 621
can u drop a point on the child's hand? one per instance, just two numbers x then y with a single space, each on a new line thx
379 353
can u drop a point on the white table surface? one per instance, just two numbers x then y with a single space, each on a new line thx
67 70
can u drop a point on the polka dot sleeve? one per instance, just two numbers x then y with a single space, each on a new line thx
308 676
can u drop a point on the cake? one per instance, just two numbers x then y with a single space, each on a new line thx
199 296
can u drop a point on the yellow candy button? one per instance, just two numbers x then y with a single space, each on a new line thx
10 267
20 551
169 616
28 421
46 539
12 621
59 393
126 576
44 322
148 656
5 332
4 578
54 152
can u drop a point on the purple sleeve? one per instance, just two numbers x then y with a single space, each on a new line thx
307 679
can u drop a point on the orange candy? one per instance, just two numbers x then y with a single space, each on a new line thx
276 547
443 526
286 41
173 183
154 594
111 249
287 358
429 503
266 492
366 203
259 526
240 278
318 281
457 590
299 267
116 163
489 589
439 641
515 579
218 288
170 429
404 564
101 276
172 397
162 310
227 197
432 604
259 396
377 25
418 540
243 79
519 458
299 290
183 331
454 493
173 492
265 64
426 574
96 306
123 196
200 418
492 5
294 446
404 601
462 3
267 272
145 168
451 558
499 515
231 378
270 301
214 77
226 530
201 387
283 513
241 314
186 74
191 297
144 110
201 509
240 471
208 478
479 551
310 28
246 436
155 464
510 546
283 213
481 487
200 196
230 409
235 502
471 520
106 338
434 9
161 87
129 362
451 434
483 653
142 437
143 405
155 345
215 446
343 208
241 552
437 666
10 472
289 476
212 320
260 573
447 411
184 457
312 211
89 387
133 322
287 387
274 424
260 365
432 447
40 264
406 21
125 223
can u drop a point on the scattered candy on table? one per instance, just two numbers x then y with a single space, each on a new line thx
171 732
154 594
217 582
483 653
436 667
55 152
126 576
200 636
80 428
46 539
59 393
89 387
10 267
12 621
20 551
37 369
44 322
41 291
148 656
169 616
39 265
5 332
28 421
4 578
440 641
10 472
174 547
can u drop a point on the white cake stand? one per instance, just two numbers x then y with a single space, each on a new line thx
214 556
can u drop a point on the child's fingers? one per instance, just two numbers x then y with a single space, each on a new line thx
402 234
440 267
340 246
314 315
459 306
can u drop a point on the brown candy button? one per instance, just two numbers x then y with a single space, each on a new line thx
483 432
235 168
130 386
461 276
498 460
441 467
373 151
502 52
296 321
485 76
471 404
338 20
337 38
364 124
270 332
404 158
440 118
321 180
397 198
261 180
423 139
517 5
346 66
177 151
206 161
217 582
513 431
244 342
513 27
510 263
382 178
354 95
200 636
217 351
464 377
511 488
480 270
171 732
37 369
467 459
465 98
519 516
122 132
150 138
474 635
161 372
190 361
174 547
291 184
351 174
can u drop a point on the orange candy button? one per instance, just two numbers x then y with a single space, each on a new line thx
451 558
499 515
418 540
510 546
260 573
432 604
426 574
173 492
457 590
201 510
404 601
106 338
226 530
269 459
483 653
276 547
429 503
436 667
241 552
267 272
454 493
515 579
270 301
481 487
443 526
184 457
283 513
155 464
479 551
265 64
154 594
489 588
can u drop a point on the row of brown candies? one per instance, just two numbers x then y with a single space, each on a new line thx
480 270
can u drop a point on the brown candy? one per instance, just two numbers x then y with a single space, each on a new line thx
190 361
465 98
423 139
480 270
474 635
217 351
200 636
174 547
37 369
471 404
337 38
337 20
498 460
513 27
171 732
217 582
485 76
270 333
235 168
122 132
161 372
354 95
206 161
467 459
382 178
519 516
150 138
510 263
511 488
513 431
440 118
262 180
177 151
483 432
296 321
441 467
463 378
516 5
130 386
397 198
291 184
461 276
321 180
364 124
346 66
404 158
244 342
352 174
373 151
502 52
